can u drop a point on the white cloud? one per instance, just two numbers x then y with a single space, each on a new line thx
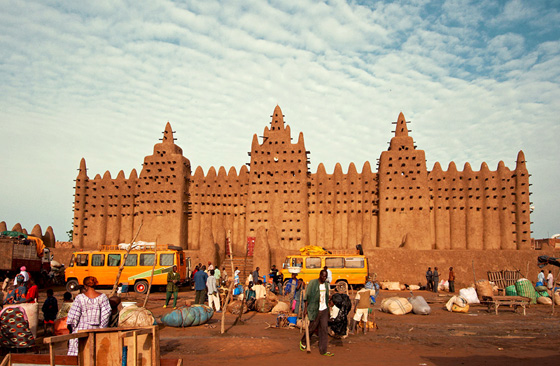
101 79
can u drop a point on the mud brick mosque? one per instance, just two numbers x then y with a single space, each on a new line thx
278 204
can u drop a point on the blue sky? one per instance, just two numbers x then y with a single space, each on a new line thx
480 80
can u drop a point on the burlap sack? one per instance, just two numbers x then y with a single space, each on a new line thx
263 305
134 316
281 307
235 307
483 288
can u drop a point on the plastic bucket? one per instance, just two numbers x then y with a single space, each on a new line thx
292 320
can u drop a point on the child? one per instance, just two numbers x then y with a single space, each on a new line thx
50 309
66 305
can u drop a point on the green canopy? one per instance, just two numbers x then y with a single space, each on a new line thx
13 234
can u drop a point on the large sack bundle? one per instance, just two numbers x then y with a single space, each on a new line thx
187 316
483 288
511 291
419 305
557 298
544 300
391 286
469 294
32 313
413 287
443 285
235 307
524 287
134 316
396 306
541 288
281 307
263 305
459 309
271 297
60 326
459 301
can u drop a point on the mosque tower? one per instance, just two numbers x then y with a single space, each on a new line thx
404 209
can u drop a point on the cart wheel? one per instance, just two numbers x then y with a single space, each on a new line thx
341 287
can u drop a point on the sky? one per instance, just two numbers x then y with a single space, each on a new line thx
479 81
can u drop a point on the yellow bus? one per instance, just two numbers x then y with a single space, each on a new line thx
351 268
104 265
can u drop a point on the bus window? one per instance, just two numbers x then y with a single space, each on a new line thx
335 262
114 260
72 259
313 262
166 259
82 260
286 263
354 262
147 259
182 258
98 260
297 262
131 260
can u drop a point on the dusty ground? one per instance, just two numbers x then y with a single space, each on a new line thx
442 338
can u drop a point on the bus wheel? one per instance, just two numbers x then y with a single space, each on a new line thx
141 287
72 285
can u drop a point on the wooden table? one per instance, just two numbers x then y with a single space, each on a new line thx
510 301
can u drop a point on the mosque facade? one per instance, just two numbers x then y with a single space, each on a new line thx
278 204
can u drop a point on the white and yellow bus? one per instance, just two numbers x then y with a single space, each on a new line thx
104 265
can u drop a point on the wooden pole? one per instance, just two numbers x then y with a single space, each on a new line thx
306 320
124 261
238 319
230 292
299 312
151 277
474 276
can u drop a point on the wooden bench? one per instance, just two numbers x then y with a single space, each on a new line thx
509 301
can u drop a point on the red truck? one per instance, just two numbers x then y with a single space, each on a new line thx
24 250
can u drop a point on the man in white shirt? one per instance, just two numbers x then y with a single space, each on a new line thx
329 275
213 297
260 290
540 277
549 280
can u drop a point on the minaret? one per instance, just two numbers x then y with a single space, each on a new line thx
522 204
277 193
404 202
79 227
162 194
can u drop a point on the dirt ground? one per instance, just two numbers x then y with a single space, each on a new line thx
441 338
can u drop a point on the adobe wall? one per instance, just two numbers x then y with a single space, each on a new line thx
47 238
409 266
278 201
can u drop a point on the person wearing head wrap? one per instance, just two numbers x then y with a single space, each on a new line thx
17 295
90 310
361 306
23 272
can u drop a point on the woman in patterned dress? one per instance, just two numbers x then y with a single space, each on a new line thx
17 295
90 310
